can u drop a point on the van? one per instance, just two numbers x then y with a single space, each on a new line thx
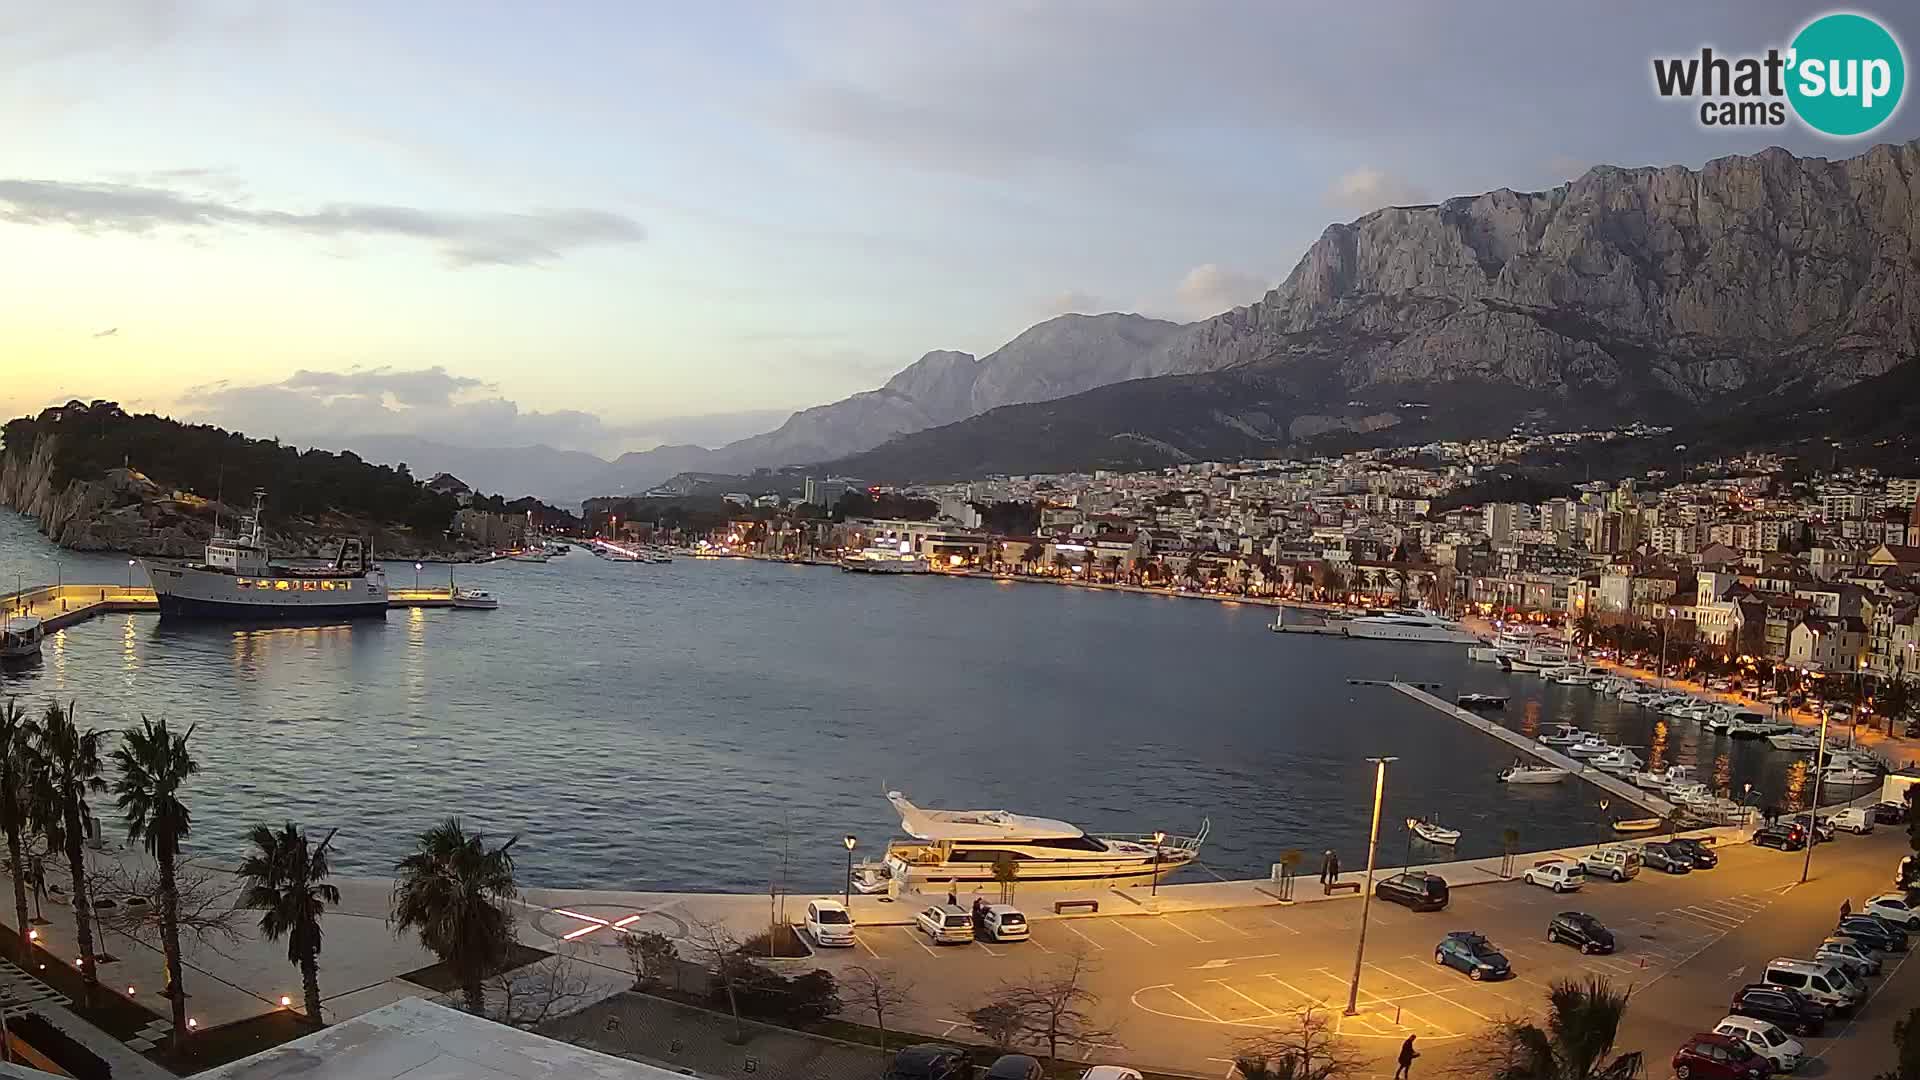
1854 819
1821 982
1615 862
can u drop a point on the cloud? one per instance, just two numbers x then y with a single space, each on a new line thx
1209 289
463 238
1367 188
109 332
1075 302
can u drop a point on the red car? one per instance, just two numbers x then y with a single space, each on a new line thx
1717 1057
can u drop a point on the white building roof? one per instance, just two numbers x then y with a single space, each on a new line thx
419 1040
976 824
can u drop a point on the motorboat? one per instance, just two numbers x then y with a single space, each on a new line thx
1432 832
1522 773
1753 725
1493 702
1484 654
1798 741
1589 745
886 557
1849 776
1570 676
1648 781
1562 735
538 555
1409 626
1689 794
1637 825
1621 760
963 847
475 599
21 636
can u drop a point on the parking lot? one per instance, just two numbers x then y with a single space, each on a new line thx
1180 989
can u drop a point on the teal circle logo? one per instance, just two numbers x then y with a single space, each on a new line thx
1847 74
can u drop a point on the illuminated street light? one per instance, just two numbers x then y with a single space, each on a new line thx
1159 837
847 897
1366 898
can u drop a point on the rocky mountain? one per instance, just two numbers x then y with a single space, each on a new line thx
1652 293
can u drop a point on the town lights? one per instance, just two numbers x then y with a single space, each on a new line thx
285 1001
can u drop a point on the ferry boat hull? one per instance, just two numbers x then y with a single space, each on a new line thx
238 582
188 607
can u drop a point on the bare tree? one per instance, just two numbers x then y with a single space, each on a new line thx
651 955
881 992
998 1022
206 900
1058 1008
719 949
532 995
1307 1047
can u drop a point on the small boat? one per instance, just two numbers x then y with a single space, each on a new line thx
475 599
1590 745
20 637
1484 654
1432 833
1630 825
1849 776
1480 701
1522 773
1618 760
1562 735
1794 740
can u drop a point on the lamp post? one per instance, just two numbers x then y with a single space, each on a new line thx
847 897
1746 805
1159 837
1819 766
1366 898
416 577
1666 624
129 573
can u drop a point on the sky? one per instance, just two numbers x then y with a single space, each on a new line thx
602 224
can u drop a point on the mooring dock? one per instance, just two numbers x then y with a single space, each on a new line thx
61 606
1605 781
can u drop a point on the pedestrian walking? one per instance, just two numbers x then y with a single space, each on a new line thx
1335 874
953 897
1407 1054
1326 867
1846 907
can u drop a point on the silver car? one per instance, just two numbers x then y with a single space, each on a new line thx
1850 954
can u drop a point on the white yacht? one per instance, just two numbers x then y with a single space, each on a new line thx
1562 735
1590 745
237 581
960 847
1409 626
1522 773
1539 657
20 637
1620 760
475 599
1571 675
1849 776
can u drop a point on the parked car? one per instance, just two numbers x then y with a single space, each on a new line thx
1414 889
1789 1009
1890 813
930 1061
1580 930
946 924
1853 819
1111 1072
1467 951
1615 862
1556 874
829 924
1015 1067
1822 827
1784 837
1895 908
1716 1057
1856 956
1822 983
1876 932
1004 922
1662 857
1779 1048
1704 857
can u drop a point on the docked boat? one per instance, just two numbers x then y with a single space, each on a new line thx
1798 741
530 555
1491 702
1522 773
1589 745
1562 735
475 599
1753 725
1849 776
962 847
1637 825
1620 760
1432 832
20 637
885 557
1485 654
1409 626
237 580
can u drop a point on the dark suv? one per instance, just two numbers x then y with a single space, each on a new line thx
1780 1006
1889 813
1703 856
1580 930
1784 837
1015 1067
931 1061
1875 931
1421 892
1666 857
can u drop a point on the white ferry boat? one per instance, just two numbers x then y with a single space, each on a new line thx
961 847
237 581
20 637
1409 626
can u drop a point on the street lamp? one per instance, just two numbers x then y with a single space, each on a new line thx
1159 837
416 577
847 897
1366 898
1604 803
129 573
1746 804
1819 766
1666 624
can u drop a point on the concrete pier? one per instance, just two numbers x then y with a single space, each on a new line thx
1605 781
61 606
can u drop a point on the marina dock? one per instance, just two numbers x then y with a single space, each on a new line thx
1605 781
61 606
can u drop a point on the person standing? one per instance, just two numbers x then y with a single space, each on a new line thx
1846 907
1407 1054
1333 875
1326 867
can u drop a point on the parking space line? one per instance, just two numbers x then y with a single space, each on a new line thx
1281 925
1266 1009
1360 1020
1121 925
915 938
1195 1005
1711 918
1429 1023
1036 943
1442 995
1184 930
862 942
1315 998
987 947
1083 937
1225 923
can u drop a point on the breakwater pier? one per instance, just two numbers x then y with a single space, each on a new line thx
61 606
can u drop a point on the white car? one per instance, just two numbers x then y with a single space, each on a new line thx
1556 874
1894 908
1767 1040
829 923
1004 922
1110 1072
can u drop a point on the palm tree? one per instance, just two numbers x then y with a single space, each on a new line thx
1583 1019
154 763
14 726
286 879
453 891
65 770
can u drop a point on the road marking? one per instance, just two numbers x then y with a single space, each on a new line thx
987 947
1083 937
951 1025
1711 918
1035 942
1429 1023
1263 1007
1189 933
1281 925
1361 1020
1225 923
1231 960
1316 999
1121 925
1194 1005
862 942
915 938
1463 1007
